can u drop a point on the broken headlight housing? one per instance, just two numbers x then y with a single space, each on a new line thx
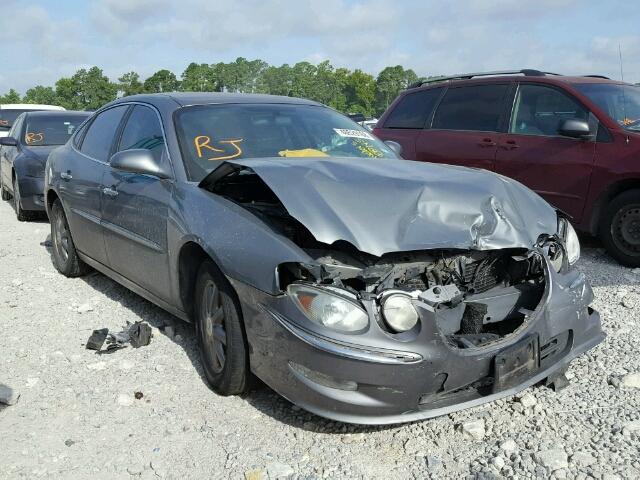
571 241
328 309
399 313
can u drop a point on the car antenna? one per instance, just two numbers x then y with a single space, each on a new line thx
624 96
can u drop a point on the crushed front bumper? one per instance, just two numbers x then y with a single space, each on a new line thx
401 382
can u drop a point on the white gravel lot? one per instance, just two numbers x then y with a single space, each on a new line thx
76 416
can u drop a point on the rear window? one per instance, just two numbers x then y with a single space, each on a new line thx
476 107
414 109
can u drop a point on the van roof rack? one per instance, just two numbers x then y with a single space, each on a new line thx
527 72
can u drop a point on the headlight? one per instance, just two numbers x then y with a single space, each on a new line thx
399 313
327 309
571 241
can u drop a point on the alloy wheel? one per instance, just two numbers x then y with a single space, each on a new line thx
214 325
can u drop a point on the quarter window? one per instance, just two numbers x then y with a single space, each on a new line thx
538 110
98 140
476 107
413 110
143 130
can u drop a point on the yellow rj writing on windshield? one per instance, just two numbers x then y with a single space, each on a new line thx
203 143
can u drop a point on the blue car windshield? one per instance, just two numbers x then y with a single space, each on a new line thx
51 129
209 134
620 102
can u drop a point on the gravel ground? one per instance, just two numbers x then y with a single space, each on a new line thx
77 417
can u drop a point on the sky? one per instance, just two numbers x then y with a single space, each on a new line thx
43 40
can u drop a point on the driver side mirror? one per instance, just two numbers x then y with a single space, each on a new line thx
395 146
138 161
8 142
573 128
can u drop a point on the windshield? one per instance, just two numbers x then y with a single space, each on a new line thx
51 129
212 133
620 102
8 116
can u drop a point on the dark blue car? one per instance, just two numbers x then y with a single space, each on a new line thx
24 152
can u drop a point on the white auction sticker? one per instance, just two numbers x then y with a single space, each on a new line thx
345 132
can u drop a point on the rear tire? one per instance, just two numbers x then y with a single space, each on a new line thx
63 251
620 228
223 346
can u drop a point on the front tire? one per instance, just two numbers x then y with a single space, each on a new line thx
223 346
63 250
620 228
4 193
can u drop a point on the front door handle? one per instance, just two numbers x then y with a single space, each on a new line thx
510 145
66 176
111 192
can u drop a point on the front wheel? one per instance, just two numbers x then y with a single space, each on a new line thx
4 193
223 347
620 228
63 251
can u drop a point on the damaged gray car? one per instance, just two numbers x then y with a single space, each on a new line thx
359 286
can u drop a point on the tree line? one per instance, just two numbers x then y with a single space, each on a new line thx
349 91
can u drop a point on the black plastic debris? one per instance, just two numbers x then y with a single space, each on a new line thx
97 338
137 335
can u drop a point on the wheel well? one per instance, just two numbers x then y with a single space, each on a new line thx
52 196
189 260
605 198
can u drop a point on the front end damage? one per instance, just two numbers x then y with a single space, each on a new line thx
406 335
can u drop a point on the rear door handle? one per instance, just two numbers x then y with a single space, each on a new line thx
110 192
487 142
66 176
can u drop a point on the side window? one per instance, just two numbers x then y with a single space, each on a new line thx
15 129
98 140
143 130
414 109
538 110
476 107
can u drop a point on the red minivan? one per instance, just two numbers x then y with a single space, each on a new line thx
574 140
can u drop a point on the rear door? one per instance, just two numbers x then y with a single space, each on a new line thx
466 126
81 182
532 152
135 209
407 119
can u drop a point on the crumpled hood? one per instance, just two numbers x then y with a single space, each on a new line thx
383 205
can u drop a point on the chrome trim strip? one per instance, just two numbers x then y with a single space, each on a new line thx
134 237
356 352
86 215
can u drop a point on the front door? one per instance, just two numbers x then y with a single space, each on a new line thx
558 168
135 209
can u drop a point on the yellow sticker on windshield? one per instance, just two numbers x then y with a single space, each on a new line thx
34 137
305 152
203 142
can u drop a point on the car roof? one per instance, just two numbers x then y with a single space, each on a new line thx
522 75
203 98
29 106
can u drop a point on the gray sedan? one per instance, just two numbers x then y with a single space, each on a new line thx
361 287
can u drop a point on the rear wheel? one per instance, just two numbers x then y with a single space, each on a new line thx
220 334
620 228
21 215
63 251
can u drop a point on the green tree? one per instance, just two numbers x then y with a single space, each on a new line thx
276 80
10 97
41 95
200 78
85 90
360 92
130 84
389 83
242 75
161 81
